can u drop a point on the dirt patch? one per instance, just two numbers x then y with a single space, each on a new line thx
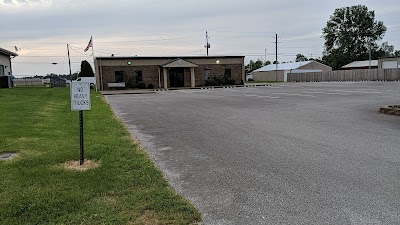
390 110
74 165
8 156
147 218
108 200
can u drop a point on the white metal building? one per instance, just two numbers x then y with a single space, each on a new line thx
280 72
5 62
389 63
6 68
356 65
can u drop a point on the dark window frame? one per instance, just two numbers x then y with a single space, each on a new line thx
119 76
139 75
2 70
228 75
207 77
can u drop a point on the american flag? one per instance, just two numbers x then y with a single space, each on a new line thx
89 45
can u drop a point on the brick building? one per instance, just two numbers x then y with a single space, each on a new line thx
167 72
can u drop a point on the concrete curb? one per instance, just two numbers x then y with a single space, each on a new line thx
390 110
155 91
127 93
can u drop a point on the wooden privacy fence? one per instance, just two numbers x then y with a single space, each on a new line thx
347 75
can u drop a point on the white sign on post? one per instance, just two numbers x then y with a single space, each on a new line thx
80 96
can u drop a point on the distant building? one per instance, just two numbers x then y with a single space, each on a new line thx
280 72
6 68
5 62
358 65
389 63
167 72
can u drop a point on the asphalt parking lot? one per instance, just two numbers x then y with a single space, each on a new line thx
296 153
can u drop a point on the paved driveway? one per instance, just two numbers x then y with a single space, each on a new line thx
298 153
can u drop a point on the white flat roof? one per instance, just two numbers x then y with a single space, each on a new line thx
6 52
305 71
364 63
283 66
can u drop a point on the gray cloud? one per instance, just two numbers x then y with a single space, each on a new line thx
6 2
17 2
235 26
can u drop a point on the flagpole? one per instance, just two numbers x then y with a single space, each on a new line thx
69 63
94 63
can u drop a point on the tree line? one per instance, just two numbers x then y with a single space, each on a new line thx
351 34
86 71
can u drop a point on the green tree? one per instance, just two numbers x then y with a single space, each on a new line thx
300 58
74 76
86 70
266 63
349 33
249 67
254 65
384 50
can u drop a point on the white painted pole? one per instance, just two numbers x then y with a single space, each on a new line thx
94 62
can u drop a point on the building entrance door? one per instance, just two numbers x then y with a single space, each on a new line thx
176 77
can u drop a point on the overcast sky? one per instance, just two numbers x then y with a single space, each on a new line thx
42 28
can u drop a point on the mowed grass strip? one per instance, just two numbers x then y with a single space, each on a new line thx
127 188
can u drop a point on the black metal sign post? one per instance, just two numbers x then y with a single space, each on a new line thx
82 158
80 100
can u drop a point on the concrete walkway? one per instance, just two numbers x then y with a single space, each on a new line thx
154 91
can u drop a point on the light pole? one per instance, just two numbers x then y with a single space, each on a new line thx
265 55
369 52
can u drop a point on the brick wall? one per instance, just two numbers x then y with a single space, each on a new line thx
218 71
150 74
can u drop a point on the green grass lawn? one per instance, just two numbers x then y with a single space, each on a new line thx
126 188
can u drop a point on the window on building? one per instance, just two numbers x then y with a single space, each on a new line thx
2 70
207 74
228 73
119 76
139 76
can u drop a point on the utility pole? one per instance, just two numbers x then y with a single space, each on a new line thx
207 46
276 57
369 52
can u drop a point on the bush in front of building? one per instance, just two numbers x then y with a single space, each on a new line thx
135 82
131 82
141 85
219 81
150 86
230 82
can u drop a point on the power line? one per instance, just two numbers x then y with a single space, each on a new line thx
246 32
136 35
121 41
82 54
190 52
